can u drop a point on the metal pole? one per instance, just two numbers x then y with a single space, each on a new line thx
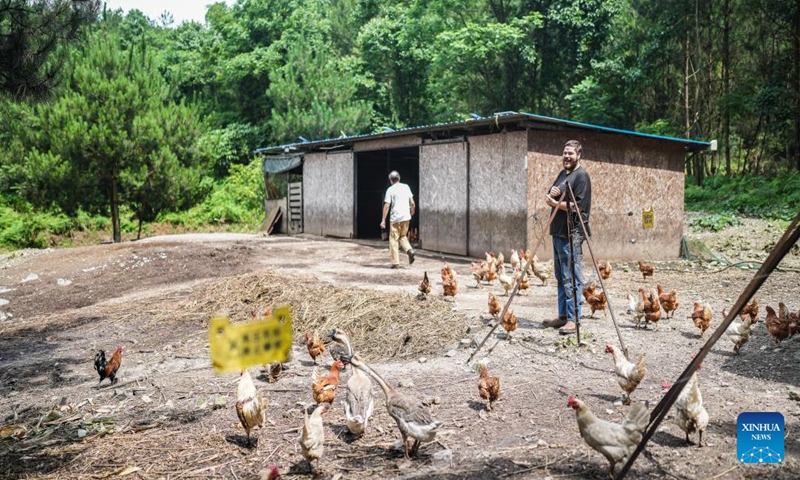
597 270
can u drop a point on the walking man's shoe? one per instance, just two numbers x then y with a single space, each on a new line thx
410 257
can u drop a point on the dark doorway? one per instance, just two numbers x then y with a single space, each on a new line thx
372 180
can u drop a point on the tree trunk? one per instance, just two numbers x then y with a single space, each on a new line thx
726 60
115 204
796 49
687 113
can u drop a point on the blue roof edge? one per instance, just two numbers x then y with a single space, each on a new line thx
407 130
618 130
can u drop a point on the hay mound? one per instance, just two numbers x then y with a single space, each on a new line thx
381 325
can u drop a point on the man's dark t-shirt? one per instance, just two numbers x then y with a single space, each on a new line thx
582 187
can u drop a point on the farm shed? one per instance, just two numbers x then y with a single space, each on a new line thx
480 184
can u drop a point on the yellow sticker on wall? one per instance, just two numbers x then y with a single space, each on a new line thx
648 218
266 340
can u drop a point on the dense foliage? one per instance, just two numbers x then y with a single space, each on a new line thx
149 121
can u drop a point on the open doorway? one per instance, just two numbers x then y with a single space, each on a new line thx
372 180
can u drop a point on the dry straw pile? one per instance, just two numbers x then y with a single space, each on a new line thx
381 325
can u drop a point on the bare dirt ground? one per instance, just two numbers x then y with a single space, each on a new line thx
171 417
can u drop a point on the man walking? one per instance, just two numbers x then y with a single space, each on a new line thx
569 308
400 202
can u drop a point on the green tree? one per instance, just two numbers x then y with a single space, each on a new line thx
32 33
114 137
314 95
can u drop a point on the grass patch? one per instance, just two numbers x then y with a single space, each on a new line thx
751 196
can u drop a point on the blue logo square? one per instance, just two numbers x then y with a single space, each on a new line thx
759 437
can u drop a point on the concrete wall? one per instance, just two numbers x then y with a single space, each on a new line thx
443 192
497 193
328 193
629 174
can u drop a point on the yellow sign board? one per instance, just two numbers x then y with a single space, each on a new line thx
648 218
266 340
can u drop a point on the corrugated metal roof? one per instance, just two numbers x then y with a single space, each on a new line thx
496 119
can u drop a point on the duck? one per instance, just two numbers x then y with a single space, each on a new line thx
359 402
413 419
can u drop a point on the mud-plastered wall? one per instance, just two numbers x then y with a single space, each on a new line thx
328 191
629 175
443 192
497 193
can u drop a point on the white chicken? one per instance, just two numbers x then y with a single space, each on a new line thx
738 332
629 375
690 414
636 307
514 259
250 405
614 441
506 280
312 437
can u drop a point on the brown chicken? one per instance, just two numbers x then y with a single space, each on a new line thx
669 301
778 327
652 309
449 282
314 345
647 270
509 321
488 387
751 311
250 405
108 369
425 285
525 283
701 316
494 305
614 441
324 388
629 374
479 271
598 302
312 437
491 272
605 269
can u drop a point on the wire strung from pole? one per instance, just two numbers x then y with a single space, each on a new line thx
780 250
597 270
517 283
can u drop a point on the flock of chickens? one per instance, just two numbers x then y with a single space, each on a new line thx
617 441
614 441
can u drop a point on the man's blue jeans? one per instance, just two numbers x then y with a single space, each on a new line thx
561 264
